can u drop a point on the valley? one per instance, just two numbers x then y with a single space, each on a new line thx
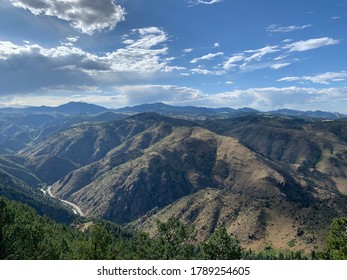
273 179
74 207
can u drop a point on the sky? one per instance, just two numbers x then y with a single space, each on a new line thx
263 54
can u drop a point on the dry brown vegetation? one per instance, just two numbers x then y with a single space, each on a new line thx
273 181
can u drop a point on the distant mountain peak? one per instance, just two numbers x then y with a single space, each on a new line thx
80 108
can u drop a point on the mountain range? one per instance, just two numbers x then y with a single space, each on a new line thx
272 179
81 108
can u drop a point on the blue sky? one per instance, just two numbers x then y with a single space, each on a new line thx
263 54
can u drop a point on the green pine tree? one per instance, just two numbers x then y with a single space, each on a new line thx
221 246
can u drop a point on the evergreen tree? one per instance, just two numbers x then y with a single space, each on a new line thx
176 240
221 246
336 242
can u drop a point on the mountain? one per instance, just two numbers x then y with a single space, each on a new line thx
13 166
182 163
308 114
71 108
17 190
21 129
192 111
268 179
162 108
82 108
85 144
77 108
197 112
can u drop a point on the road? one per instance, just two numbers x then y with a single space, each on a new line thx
73 206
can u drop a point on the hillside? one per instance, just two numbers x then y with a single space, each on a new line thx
28 236
268 179
315 149
24 127
16 190
193 112
160 167
186 161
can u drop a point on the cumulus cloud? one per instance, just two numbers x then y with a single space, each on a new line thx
139 94
274 28
207 57
323 78
271 98
34 67
87 16
266 98
143 54
310 44
261 98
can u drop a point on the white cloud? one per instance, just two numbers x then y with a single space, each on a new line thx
279 65
230 63
87 16
271 98
287 41
216 45
335 18
202 71
260 53
267 98
310 44
144 54
69 41
284 29
205 2
324 78
261 98
188 50
72 39
35 67
139 94
149 37
206 57
283 56
255 66
289 79
251 60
